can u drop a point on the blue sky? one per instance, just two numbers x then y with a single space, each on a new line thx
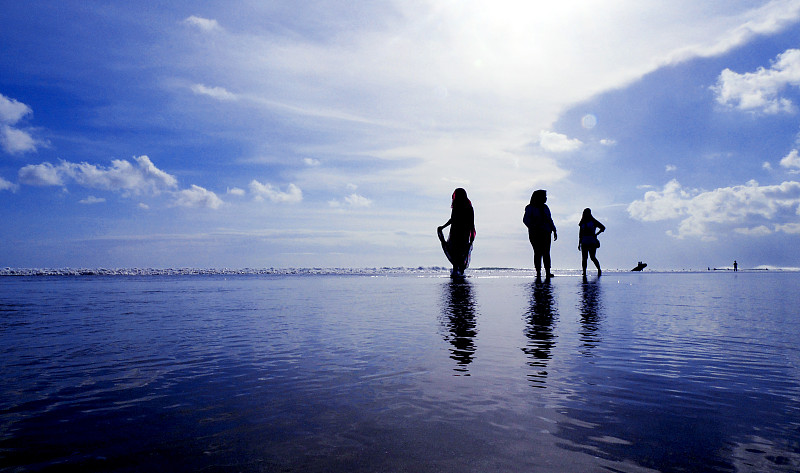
332 134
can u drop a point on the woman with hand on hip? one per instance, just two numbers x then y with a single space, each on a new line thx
587 239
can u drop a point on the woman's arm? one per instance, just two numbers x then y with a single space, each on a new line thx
600 227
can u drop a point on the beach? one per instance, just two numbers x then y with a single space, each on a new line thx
400 370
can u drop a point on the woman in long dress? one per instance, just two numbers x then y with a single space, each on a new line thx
458 246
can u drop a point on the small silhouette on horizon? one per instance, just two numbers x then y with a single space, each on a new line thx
588 243
540 224
639 266
458 246
735 265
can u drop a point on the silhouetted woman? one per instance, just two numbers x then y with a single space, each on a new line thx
462 232
587 239
540 224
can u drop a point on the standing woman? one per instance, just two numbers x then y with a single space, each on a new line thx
587 239
458 246
540 224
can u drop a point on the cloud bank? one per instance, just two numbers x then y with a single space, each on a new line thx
749 209
140 177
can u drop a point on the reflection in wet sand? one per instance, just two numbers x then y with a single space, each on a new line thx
539 330
458 317
591 313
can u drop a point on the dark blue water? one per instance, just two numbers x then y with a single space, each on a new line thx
401 372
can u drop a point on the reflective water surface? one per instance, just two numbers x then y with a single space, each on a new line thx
401 372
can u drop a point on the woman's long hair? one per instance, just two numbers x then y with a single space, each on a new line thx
460 199
587 216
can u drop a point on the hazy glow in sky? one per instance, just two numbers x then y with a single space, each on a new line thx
320 134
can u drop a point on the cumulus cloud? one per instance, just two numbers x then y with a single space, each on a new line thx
44 174
92 200
139 177
218 93
556 142
760 90
791 161
236 191
203 24
749 209
293 193
13 139
197 196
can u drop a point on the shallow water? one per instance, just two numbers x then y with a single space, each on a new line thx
401 371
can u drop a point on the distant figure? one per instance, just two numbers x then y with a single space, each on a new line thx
540 224
735 265
587 239
641 266
458 246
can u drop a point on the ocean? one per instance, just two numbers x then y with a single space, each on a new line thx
391 370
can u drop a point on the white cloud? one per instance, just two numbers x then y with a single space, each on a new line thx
122 176
671 168
556 142
204 24
12 111
197 196
12 139
92 200
706 214
761 230
767 166
790 228
16 141
218 93
311 162
791 160
608 142
353 200
293 193
44 174
7 185
760 90
236 191
143 206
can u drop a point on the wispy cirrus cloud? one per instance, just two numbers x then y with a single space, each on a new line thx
219 93
204 24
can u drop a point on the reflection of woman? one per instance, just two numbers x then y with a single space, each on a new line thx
460 320
462 231
587 239
540 224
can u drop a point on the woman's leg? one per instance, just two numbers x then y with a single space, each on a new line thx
546 253
537 255
584 256
594 260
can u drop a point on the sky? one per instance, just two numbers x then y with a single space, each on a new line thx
328 133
